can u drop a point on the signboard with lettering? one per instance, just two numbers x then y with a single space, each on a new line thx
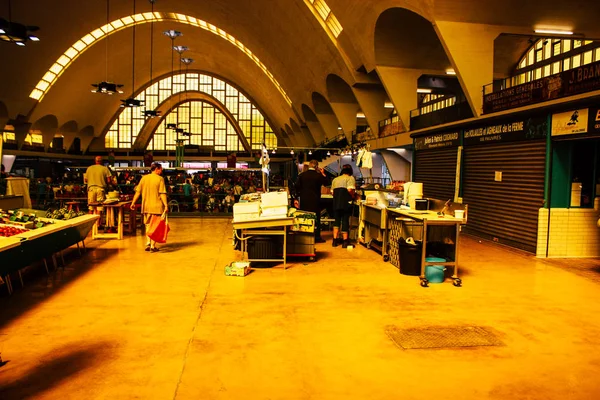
442 140
526 129
594 120
578 80
570 122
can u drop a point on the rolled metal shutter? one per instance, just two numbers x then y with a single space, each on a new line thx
506 211
436 169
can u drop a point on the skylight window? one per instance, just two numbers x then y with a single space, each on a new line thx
91 38
323 13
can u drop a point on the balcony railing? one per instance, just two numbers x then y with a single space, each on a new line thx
440 111
500 95
391 126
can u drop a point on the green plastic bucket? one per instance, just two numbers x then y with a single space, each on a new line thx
434 273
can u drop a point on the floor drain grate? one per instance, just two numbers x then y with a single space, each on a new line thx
433 337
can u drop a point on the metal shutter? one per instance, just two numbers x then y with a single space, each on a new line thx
436 169
505 211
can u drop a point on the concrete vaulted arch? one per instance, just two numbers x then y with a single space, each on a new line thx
400 63
69 131
101 33
326 116
405 39
344 103
86 136
48 126
313 123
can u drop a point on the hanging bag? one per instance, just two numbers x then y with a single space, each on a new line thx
159 228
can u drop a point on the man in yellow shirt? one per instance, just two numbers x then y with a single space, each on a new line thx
154 199
97 178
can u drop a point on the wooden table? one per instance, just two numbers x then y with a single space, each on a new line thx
431 219
258 227
109 209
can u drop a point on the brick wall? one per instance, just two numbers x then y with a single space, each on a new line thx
573 232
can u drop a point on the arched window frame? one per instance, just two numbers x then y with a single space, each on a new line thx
129 121
550 56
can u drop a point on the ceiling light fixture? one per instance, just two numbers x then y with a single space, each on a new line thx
292 152
554 31
360 115
180 49
132 101
450 72
14 32
107 87
151 113
328 153
310 152
273 151
388 104
419 90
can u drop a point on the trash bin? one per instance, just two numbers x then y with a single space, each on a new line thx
261 248
410 257
434 273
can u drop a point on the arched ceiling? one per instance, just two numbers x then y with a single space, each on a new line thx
419 48
284 35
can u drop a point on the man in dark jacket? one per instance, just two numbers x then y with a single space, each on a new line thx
308 188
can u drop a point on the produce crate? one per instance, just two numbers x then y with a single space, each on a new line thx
237 268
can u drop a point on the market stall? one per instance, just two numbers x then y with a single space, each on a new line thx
428 227
25 246
270 231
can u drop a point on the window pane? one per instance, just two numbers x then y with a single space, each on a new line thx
556 48
547 50
547 70
566 64
530 57
587 57
538 73
556 67
576 61
566 45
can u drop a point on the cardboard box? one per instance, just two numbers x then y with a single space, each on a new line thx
304 221
246 217
279 211
246 211
237 268
274 199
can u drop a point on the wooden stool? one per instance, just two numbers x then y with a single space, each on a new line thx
73 203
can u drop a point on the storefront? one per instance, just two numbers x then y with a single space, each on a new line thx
571 230
504 168
437 164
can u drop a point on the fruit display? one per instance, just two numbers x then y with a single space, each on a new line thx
63 214
8 230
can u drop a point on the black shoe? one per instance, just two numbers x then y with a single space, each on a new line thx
147 248
320 240
345 243
335 242
153 249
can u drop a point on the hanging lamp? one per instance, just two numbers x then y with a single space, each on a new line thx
106 87
132 101
151 113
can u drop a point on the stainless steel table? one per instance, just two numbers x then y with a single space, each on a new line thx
429 219
258 227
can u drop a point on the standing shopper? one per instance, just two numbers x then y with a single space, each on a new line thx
154 199
97 178
343 193
308 188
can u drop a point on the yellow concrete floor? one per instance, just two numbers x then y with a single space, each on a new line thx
121 323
